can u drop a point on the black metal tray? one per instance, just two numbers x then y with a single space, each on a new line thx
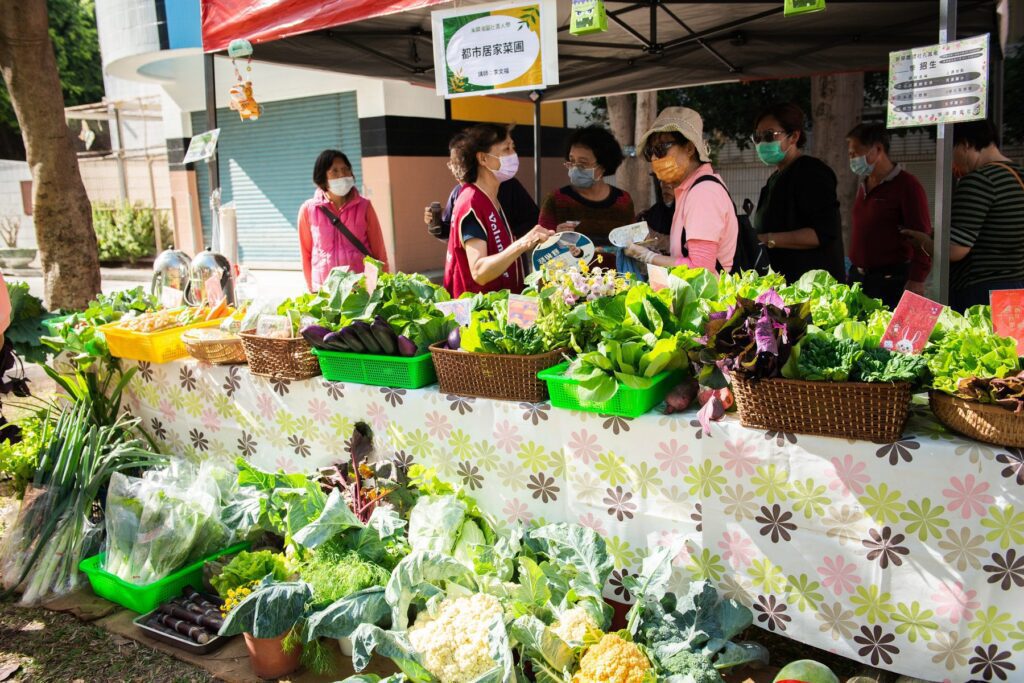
180 641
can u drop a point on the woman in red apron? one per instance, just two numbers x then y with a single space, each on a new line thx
483 256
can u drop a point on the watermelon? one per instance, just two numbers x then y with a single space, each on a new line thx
806 671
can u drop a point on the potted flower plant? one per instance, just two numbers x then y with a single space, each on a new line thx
12 256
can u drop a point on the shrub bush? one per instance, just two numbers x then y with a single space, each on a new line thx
125 231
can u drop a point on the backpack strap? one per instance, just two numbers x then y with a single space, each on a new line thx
343 229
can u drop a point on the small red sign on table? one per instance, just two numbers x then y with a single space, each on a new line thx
1008 315
912 323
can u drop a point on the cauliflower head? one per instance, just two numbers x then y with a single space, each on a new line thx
612 660
573 625
453 642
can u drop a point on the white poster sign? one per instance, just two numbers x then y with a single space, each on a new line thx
201 146
495 48
939 84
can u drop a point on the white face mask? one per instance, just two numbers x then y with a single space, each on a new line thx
340 187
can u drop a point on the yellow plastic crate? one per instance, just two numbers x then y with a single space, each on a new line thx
155 347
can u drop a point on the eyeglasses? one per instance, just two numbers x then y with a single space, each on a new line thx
766 135
580 165
658 150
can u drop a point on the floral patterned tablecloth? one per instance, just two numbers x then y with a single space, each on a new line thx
907 556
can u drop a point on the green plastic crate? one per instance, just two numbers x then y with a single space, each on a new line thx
147 598
397 372
626 402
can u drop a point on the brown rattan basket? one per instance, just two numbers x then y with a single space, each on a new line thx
493 375
214 351
281 358
851 410
981 421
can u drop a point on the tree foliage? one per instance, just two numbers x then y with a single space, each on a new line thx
77 50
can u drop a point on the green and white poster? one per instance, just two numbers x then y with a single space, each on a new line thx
495 48
942 83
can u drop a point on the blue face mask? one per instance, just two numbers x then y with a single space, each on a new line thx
860 166
582 177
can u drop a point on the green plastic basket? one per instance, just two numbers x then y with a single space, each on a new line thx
397 372
147 598
627 402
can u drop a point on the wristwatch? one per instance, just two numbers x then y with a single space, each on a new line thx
770 243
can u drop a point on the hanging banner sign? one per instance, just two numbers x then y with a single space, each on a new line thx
495 48
201 146
939 84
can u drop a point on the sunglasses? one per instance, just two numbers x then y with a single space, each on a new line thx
766 135
657 151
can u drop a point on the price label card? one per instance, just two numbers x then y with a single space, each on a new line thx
460 309
371 274
171 297
214 292
1008 315
912 323
523 310
657 277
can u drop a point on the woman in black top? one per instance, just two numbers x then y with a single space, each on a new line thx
797 215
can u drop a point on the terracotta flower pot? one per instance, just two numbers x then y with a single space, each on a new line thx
268 658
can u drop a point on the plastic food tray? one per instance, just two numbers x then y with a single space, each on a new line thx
146 598
397 372
626 402
180 641
155 347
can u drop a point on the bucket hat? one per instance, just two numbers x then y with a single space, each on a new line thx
684 121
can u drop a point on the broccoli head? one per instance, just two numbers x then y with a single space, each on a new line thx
694 664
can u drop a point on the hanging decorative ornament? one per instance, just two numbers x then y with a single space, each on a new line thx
792 7
242 99
588 16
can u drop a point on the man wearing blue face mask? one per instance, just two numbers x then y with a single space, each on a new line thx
888 200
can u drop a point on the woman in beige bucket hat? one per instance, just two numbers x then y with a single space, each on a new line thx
704 225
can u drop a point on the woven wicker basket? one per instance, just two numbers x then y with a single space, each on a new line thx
980 421
214 351
852 410
493 375
281 358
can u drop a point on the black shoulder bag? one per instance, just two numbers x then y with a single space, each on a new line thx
336 222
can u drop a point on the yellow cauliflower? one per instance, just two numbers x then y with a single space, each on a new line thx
453 642
574 624
612 660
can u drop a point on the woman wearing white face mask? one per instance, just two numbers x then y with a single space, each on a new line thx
482 254
338 226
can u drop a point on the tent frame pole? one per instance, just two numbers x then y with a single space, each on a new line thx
943 172
211 115
536 97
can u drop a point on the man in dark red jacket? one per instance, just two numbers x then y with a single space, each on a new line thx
888 200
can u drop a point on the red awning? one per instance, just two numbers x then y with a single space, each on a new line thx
260 21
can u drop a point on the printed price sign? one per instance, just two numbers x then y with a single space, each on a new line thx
171 297
1008 315
912 323
939 84
523 310
371 274
460 309
657 276
214 292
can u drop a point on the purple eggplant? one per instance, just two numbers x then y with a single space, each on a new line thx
351 339
335 342
365 334
385 336
455 339
406 346
315 334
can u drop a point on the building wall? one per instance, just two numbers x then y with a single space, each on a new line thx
12 174
100 176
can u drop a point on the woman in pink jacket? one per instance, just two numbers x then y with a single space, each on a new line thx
338 226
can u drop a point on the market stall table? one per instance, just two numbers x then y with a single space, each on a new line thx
908 556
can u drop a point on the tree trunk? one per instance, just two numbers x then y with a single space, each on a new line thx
628 121
60 206
837 102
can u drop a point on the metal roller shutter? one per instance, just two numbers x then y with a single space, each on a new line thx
266 168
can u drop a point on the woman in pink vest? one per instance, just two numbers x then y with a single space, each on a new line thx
483 256
338 226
